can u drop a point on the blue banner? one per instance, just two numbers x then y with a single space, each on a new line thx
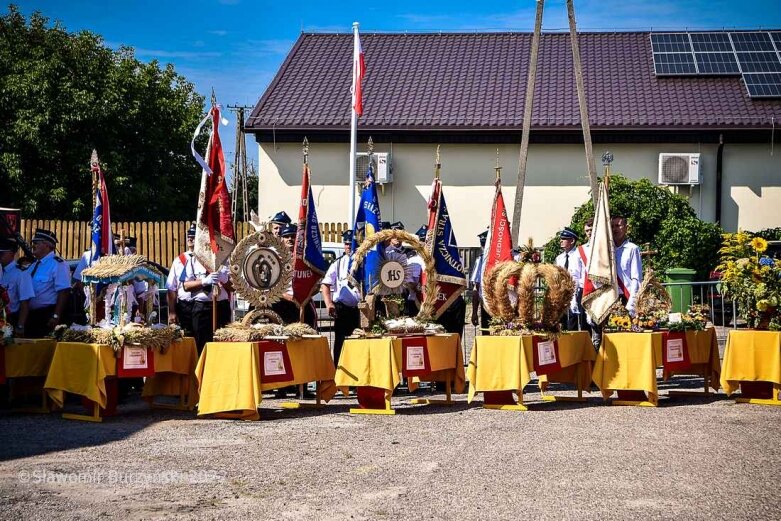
367 223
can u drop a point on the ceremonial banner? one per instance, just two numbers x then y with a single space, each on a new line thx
102 239
602 292
675 351
545 355
214 234
136 362
499 243
275 363
367 223
441 244
309 265
359 70
414 356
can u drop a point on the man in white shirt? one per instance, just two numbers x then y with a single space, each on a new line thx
340 297
180 302
202 284
629 266
51 284
17 283
569 259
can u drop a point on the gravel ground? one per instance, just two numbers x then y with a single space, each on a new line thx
691 458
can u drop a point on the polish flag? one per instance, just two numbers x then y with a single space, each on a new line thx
359 69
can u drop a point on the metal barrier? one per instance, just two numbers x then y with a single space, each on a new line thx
722 311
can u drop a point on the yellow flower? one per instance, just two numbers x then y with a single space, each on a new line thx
759 244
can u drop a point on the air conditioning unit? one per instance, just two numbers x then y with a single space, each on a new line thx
679 169
383 173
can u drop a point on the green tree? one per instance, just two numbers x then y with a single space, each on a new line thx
659 218
63 94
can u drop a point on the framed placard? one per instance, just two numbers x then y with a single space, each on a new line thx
414 356
136 362
675 351
545 355
274 362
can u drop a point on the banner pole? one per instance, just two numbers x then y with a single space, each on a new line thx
353 137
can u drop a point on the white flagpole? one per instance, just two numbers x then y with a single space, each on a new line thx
353 133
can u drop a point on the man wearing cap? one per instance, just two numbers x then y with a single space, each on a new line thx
51 283
278 222
17 283
570 261
479 314
180 302
286 308
341 299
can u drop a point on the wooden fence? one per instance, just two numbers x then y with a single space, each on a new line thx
157 241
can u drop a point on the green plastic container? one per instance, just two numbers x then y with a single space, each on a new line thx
681 294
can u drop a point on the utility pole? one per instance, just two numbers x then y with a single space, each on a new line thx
239 181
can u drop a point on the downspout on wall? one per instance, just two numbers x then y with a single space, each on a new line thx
719 167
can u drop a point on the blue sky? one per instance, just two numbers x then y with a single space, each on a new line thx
236 46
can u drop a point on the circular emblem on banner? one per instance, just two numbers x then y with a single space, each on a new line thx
392 274
262 268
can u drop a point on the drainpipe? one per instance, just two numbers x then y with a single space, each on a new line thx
719 166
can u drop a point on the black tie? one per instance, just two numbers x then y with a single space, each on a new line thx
35 268
566 261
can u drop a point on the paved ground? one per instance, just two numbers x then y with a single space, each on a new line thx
692 458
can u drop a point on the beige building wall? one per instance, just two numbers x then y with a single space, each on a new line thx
556 183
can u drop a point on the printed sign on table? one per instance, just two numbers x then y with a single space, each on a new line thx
675 351
136 362
414 356
275 363
545 355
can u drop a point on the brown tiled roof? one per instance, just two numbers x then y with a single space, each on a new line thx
477 82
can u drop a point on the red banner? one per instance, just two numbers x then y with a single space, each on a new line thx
136 362
274 362
414 356
545 355
499 246
675 351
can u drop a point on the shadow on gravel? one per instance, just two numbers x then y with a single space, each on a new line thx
25 435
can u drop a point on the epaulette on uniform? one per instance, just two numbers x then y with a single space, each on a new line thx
58 259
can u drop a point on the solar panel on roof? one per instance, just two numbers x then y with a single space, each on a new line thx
776 37
759 62
670 42
763 85
752 42
674 63
711 42
717 63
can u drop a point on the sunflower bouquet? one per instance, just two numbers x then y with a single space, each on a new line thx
619 322
751 279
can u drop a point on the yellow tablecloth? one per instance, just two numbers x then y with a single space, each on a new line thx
628 361
376 362
29 357
173 370
753 356
229 379
82 369
504 363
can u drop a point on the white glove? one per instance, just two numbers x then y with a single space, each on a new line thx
222 276
209 280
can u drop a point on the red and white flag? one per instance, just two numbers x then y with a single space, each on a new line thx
600 291
214 234
359 69
499 243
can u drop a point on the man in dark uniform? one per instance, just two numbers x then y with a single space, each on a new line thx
278 222
479 314
51 284
341 299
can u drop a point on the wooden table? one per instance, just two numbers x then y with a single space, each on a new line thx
500 366
375 367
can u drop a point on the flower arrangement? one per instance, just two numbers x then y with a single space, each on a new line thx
751 279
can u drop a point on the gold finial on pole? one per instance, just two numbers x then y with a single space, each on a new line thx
214 98
497 167
437 164
371 145
607 159
305 150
